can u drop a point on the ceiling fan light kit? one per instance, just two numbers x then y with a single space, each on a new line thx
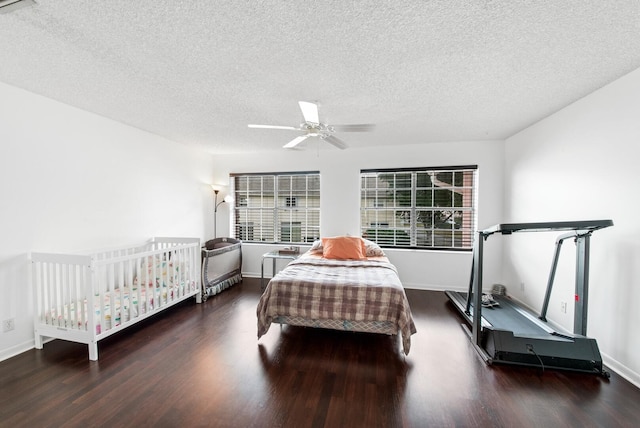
312 127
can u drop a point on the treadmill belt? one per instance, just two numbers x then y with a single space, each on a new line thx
506 317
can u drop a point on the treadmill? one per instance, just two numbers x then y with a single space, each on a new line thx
506 333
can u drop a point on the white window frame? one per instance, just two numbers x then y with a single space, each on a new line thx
280 207
422 211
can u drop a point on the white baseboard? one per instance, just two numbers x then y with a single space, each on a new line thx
622 370
17 349
251 275
430 287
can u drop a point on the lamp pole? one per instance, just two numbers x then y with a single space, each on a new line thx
216 204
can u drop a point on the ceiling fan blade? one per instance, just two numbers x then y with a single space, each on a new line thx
291 144
274 127
309 111
335 141
359 127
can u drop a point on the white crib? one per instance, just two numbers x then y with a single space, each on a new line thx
87 297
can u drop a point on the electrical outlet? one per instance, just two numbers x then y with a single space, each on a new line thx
522 286
563 307
8 325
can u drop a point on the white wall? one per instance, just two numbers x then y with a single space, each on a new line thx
340 200
72 180
581 164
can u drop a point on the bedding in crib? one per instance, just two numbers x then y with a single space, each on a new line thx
156 281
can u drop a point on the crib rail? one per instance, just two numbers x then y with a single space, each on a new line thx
88 297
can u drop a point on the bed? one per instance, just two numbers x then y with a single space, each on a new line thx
221 265
86 297
349 292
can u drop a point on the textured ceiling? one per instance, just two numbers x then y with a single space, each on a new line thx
197 72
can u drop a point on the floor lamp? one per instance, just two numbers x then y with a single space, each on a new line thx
216 204
215 212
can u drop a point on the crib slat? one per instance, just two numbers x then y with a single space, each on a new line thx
177 272
110 291
79 298
67 286
101 289
56 291
89 291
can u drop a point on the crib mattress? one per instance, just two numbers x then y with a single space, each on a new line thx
127 303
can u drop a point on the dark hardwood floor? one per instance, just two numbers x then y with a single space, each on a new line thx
202 365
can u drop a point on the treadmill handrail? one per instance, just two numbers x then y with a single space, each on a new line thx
508 228
577 234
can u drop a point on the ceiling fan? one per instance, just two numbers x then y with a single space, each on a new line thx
312 127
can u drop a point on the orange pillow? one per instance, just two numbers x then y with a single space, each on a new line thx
343 247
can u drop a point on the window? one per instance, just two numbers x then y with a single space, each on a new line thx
291 201
431 208
277 207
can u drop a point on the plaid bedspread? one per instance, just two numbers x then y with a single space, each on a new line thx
354 290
